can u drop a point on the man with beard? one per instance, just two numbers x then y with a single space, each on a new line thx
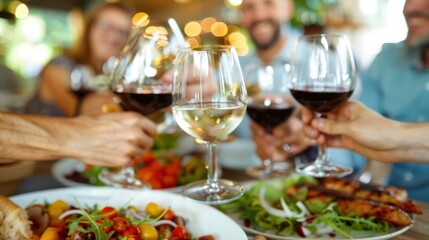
267 24
397 86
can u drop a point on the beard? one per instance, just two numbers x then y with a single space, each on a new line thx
420 44
275 36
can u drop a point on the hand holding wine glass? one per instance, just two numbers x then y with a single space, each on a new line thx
138 84
323 77
209 116
269 105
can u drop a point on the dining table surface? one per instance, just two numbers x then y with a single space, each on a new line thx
42 179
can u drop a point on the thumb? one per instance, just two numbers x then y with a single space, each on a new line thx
330 127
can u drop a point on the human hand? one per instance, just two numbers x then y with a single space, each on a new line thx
355 127
287 140
93 103
110 139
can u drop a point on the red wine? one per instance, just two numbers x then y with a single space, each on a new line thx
144 103
321 102
271 115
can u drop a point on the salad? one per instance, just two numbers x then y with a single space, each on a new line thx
61 221
306 207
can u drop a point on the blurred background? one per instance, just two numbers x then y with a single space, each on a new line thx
33 31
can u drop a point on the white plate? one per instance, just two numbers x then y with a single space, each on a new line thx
394 232
238 154
201 219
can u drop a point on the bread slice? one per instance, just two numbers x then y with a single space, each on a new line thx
14 222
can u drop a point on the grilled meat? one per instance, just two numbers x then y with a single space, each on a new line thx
389 195
382 212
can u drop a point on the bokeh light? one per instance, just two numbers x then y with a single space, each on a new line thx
219 29
21 11
207 23
140 19
194 41
192 29
235 3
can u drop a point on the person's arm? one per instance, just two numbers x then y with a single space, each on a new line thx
55 88
360 129
106 139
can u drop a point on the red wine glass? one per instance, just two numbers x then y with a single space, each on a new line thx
269 104
139 84
323 76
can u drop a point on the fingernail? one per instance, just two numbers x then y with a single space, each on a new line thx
318 123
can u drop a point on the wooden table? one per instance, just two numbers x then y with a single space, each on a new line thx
420 230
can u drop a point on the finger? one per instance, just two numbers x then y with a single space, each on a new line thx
306 116
311 132
330 127
148 127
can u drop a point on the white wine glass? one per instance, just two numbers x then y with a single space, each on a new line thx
323 77
139 85
269 104
209 102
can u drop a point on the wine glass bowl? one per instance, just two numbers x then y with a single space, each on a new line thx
209 102
323 77
139 84
269 105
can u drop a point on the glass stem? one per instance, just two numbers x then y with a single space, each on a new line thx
212 173
268 164
128 172
322 157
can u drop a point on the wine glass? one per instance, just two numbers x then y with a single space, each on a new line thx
138 84
209 102
268 104
323 76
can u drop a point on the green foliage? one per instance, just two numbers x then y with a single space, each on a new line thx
310 12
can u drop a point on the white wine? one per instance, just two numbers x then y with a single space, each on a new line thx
208 121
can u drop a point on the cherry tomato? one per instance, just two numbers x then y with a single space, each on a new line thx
120 224
145 174
101 221
110 212
169 215
148 232
169 181
153 209
131 231
179 232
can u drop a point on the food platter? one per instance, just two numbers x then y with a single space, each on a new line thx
195 214
392 232
64 167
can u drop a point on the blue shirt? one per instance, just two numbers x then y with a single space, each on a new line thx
397 86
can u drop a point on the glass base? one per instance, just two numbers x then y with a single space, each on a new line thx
328 170
278 169
119 180
226 191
